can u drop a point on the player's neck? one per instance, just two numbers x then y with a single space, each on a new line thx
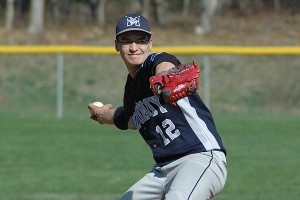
133 70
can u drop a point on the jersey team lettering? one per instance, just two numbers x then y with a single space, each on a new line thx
145 109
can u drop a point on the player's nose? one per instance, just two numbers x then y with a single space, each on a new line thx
133 46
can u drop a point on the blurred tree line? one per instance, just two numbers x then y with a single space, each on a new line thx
35 14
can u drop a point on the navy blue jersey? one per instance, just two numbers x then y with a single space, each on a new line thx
170 131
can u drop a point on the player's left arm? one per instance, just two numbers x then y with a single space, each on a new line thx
164 66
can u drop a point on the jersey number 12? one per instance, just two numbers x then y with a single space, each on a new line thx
170 131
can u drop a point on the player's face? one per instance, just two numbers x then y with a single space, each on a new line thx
134 47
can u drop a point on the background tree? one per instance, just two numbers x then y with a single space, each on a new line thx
36 23
34 12
208 10
101 12
10 13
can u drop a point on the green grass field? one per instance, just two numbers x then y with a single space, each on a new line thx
76 159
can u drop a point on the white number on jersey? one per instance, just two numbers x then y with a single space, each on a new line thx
170 131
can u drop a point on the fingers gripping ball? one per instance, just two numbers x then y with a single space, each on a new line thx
176 83
96 103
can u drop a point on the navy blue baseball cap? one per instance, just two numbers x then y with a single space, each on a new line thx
133 22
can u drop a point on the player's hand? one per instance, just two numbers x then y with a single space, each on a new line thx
157 89
102 115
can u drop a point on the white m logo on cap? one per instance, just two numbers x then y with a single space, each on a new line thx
133 21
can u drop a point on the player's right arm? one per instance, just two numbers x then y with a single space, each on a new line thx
107 115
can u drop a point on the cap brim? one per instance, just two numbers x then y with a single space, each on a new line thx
133 29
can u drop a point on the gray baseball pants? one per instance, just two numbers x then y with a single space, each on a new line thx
193 177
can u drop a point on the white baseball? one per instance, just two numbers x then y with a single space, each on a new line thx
98 103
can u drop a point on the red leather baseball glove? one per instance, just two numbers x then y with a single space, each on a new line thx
176 83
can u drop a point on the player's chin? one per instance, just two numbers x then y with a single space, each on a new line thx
136 61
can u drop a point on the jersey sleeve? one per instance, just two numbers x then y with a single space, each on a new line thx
120 118
122 113
156 58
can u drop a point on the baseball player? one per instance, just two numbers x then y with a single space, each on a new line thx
161 103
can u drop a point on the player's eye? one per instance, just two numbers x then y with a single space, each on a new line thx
142 41
125 42
138 42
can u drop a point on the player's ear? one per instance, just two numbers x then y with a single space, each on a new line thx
117 46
